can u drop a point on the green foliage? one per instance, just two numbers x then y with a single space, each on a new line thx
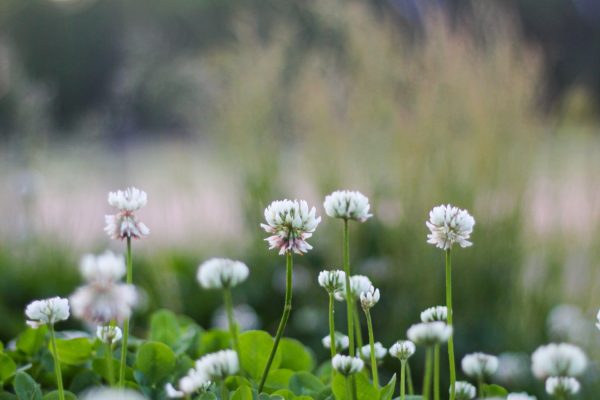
31 340
7 367
295 356
494 391
155 360
73 351
255 347
26 388
387 392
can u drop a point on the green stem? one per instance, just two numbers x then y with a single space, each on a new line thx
436 372
59 381
284 318
332 325
350 390
372 348
402 379
125 339
450 315
357 330
427 377
480 387
409 381
109 365
224 391
233 327
349 296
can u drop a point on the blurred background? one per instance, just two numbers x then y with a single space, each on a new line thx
215 108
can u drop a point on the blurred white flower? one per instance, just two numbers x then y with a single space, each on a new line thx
365 352
106 267
513 369
102 302
173 393
429 333
47 311
463 390
218 273
347 365
369 298
113 394
562 386
568 323
194 381
332 280
403 349
561 359
479 365
219 365
109 334
598 319
341 341
449 225
437 313
125 224
520 396
291 223
358 284
347 205
244 315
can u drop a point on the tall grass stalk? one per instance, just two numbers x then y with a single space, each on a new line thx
129 280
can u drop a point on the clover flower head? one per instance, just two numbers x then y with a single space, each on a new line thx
109 334
219 365
464 390
106 267
449 225
291 223
194 381
125 224
365 352
332 280
479 365
562 386
437 313
347 205
347 365
102 302
403 349
429 333
562 359
341 341
520 396
47 311
113 394
369 298
218 273
358 284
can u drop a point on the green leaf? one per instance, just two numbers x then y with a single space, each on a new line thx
387 392
364 389
7 396
54 396
32 340
207 396
73 351
164 327
26 388
494 391
278 379
255 347
155 360
242 393
100 367
295 356
303 383
287 394
7 367
212 341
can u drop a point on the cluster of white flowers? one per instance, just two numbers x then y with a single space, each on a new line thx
47 311
402 349
347 205
195 381
365 352
332 280
218 273
113 394
429 333
219 365
562 386
103 299
109 334
464 390
358 284
520 396
125 224
449 225
437 313
479 365
341 341
291 223
561 359
369 298
347 365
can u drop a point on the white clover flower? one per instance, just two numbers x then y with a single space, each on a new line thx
332 280
365 352
194 381
369 298
358 284
113 394
562 385
347 205
341 341
47 311
520 396
561 359
437 313
347 365
479 365
244 315
125 224
464 390
173 393
219 365
102 302
218 273
449 225
429 333
513 368
106 267
403 349
291 223
109 334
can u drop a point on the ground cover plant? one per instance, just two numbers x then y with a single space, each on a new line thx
179 359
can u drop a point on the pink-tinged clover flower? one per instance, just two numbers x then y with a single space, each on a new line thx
125 224
291 223
449 225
